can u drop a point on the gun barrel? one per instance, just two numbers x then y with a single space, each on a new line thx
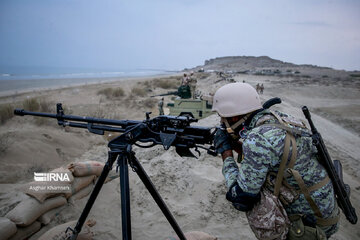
166 94
22 112
62 117
308 117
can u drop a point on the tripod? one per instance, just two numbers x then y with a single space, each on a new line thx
121 150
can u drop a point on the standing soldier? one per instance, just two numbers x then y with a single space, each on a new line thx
257 88
160 106
185 80
279 162
192 83
262 88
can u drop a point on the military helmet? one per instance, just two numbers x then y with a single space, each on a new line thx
235 99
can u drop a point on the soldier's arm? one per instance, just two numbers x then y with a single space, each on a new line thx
259 155
242 201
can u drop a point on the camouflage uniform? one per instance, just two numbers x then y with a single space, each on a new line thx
160 107
262 151
192 82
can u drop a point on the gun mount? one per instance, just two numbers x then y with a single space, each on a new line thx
183 92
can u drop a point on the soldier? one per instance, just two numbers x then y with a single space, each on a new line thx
160 106
262 88
185 80
192 82
257 88
268 141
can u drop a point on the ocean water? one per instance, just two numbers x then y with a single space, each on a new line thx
15 83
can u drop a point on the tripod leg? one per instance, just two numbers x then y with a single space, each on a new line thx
112 157
125 197
154 193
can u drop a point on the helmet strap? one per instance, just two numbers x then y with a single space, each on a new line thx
231 129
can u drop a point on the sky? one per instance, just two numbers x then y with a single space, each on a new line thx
177 34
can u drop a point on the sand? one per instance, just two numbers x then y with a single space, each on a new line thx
193 189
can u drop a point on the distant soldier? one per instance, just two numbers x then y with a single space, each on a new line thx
262 88
257 88
185 80
160 106
192 82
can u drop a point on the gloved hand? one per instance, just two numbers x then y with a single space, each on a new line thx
222 141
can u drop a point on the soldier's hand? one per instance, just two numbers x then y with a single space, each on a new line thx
222 141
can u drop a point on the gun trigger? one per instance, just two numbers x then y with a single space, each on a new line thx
167 139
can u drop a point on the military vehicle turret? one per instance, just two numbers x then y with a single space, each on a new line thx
184 105
183 92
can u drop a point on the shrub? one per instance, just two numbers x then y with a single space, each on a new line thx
39 104
46 106
147 84
138 92
31 104
166 83
118 92
150 102
112 92
106 91
6 112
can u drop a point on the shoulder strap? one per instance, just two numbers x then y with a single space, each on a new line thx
289 139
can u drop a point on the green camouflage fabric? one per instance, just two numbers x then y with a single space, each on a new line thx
262 151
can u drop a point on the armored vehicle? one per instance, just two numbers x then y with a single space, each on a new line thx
184 105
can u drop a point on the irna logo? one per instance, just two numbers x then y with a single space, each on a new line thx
48 177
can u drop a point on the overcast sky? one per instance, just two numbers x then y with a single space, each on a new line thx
174 34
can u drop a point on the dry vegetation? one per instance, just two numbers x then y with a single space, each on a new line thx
39 104
166 83
29 104
6 112
150 102
112 93
139 92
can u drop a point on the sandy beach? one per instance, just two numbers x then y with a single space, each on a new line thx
193 189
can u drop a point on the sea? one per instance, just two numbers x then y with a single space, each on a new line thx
25 81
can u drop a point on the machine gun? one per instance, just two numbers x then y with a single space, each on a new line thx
183 92
162 130
334 170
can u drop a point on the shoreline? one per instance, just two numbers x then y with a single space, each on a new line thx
90 82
